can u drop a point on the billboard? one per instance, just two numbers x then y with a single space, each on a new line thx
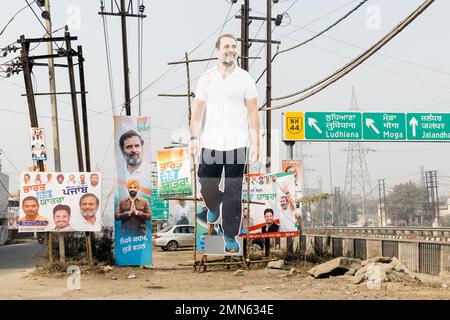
295 166
60 201
132 223
181 212
38 146
275 214
174 172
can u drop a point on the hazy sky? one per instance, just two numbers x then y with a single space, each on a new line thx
410 74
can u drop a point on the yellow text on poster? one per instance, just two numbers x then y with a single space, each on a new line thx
293 126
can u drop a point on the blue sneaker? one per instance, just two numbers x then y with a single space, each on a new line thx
213 216
231 245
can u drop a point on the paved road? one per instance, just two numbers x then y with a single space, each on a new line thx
21 255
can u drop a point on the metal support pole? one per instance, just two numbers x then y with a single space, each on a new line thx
437 197
33 114
245 9
88 235
290 156
84 108
381 208
76 120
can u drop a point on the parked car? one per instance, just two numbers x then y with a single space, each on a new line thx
174 237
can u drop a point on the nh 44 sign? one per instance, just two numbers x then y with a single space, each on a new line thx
367 126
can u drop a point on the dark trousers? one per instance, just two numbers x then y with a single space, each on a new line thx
212 164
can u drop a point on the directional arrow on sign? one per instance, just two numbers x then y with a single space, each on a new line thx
165 203
371 124
413 123
313 124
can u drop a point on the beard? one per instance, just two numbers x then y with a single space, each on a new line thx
88 214
229 60
133 193
133 159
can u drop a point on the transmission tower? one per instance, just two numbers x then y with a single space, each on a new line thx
357 182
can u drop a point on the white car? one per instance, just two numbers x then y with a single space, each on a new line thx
174 237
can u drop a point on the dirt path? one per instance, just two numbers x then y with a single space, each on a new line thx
168 280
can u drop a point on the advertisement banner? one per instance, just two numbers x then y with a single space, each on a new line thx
132 224
174 172
181 212
60 201
13 218
275 214
38 146
295 166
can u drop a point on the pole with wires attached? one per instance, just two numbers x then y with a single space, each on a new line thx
124 12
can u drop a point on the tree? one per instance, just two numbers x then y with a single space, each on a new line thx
406 203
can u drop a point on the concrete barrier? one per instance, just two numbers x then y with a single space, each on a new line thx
348 249
374 248
445 260
309 245
409 255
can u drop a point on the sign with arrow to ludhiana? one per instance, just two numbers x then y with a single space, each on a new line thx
333 126
366 126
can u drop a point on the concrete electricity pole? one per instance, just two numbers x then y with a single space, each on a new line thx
52 85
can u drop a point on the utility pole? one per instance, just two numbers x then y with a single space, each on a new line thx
337 200
73 95
126 69
269 85
382 202
52 86
124 13
26 66
27 63
54 108
437 197
245 44
245 11
432 194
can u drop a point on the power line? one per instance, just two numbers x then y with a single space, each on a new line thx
207 65
40 22
148 86
9 160
10 20
108 61
317 35
167 73
319 86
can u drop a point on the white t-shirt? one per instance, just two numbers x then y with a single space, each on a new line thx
287 220
226 121
86 226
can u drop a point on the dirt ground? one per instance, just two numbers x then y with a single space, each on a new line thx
167 279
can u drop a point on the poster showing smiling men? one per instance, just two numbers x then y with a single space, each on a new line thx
60 201
133 239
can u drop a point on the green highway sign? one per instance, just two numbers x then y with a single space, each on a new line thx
428 126
384 126
366 126
333 126
159 206
160 214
